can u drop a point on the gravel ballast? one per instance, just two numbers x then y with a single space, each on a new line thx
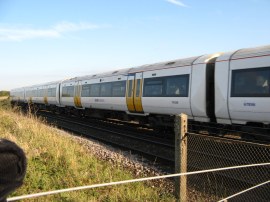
137 165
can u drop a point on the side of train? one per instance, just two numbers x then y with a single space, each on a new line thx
227 88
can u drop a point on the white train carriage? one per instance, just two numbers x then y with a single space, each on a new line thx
230 88
242 86
17 95
69 93
202 97
105 91
51 93
38 96
166 87
34 94
43 94
180 86
29 93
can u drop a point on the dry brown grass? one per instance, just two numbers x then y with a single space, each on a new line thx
3 98
56 161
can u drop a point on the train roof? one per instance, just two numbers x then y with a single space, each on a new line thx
252 52
165 65
101 75
143 68
43 84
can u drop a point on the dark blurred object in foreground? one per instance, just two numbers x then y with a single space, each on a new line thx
12 168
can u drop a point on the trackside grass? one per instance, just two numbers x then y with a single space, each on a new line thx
56 161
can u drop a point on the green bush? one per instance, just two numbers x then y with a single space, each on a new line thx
4 93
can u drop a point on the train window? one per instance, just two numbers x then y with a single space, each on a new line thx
94 90
68 91
43 94
169 86
118 89
71 91
65 92
34 93
51 92
138 87
86 90
130 88
29 93
40 93
177 86
251 82
153 87
106 90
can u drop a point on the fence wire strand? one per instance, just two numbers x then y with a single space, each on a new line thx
208 152
131 181
244 191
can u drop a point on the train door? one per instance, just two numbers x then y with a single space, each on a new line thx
134 93
77 94
138 93
58 94
45 94
129 93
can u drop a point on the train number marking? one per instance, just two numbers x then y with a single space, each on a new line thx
249 104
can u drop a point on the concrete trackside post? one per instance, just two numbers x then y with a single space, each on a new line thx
180 128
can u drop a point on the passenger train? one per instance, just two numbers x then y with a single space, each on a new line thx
224 88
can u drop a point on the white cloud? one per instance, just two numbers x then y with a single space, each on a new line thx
177 2
20 33
71 27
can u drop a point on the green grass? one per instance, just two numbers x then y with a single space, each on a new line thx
4 93
56 161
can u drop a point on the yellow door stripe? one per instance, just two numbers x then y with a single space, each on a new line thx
77 101
46 100
129 95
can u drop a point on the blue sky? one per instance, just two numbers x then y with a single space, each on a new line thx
50 40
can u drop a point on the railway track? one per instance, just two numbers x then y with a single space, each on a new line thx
136 140
147 144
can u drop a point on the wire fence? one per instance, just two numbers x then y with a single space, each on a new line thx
258 133
212 168
36 195
208 152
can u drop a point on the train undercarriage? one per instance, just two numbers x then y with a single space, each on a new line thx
162 123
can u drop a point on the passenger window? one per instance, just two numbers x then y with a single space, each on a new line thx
130 88
51 92
251 82
68 91
94 90
177 86
35 93
64 92
138 87
153 87
169 86
86 90
40 93
106 90
71 91
118 89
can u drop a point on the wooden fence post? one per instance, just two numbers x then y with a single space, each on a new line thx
180 128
